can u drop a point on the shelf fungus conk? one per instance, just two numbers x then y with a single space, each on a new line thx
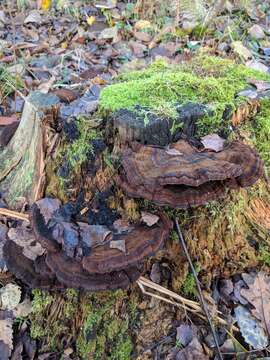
80 255
184 176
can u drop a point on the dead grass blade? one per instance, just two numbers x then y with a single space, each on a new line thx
14 214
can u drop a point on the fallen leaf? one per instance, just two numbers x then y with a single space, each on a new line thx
66 95
90 20
256 32
261 85
48 206
149 219
241 50
122 225
193 351
258 295
10 296
93 235
109 4
142 36
142 24
33 17
251 330
109 33
3 18
257 65
118 244
173 152
238 286
46 86
6 338
213 142
25 238
23 309
185 334
155 274
226 287
7 120
46 4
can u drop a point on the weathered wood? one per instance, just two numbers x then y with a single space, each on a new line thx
144 126
22 176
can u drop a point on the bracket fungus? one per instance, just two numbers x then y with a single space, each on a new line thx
183 176
93 264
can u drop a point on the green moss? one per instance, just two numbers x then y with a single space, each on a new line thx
94 322
189 288
208 80
264 254
41 300
104 330
52 315
261 131
76 153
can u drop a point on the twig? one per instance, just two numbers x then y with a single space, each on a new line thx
201 298
179 301
14 214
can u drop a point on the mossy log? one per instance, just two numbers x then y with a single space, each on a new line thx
22 161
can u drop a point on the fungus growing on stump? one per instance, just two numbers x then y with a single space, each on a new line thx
183 176
107 259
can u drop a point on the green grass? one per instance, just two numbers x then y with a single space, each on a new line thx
8 82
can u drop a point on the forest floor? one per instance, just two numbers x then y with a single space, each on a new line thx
98 57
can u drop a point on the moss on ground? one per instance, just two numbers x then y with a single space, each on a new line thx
207 80
94 322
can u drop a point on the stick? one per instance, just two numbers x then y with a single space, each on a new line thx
186 304
14 214
201 298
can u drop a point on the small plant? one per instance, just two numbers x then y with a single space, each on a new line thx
189 285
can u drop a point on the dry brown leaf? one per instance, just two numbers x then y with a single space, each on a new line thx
7 120
149 219
118 244
46 86
25 238
66 95
193 351
261 85
213 142
174 152
258 295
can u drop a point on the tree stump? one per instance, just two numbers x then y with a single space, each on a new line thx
147 128
22 161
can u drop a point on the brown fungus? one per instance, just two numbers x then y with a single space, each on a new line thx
140 242
25 270
99 267
71 273
184 176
